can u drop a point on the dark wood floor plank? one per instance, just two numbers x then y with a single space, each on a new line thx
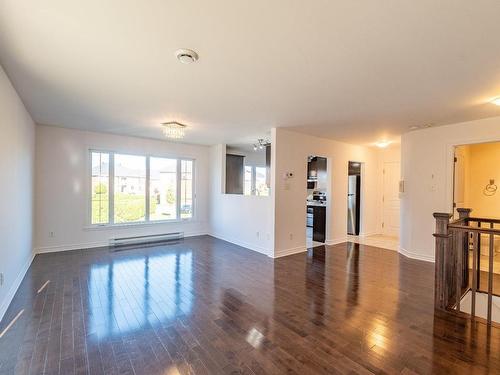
205 306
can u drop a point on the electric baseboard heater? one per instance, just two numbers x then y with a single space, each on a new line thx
124 241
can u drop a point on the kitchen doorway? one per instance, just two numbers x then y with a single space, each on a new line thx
316 200
354 198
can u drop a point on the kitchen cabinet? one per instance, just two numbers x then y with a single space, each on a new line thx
234 174
318 222
268 166
316 171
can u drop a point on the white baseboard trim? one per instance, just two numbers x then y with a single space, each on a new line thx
367 234
291 251
80 246
244 244
412 255
15 286
89 245
336 241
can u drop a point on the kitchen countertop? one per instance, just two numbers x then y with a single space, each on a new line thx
316 204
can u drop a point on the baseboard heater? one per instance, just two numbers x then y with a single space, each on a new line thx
125 241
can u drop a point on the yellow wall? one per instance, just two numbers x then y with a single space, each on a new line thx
482 163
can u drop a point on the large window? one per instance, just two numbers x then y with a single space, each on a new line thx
130 188
135 188
100 188
163 189
186 189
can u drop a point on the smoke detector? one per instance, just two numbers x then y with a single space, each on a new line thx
186 56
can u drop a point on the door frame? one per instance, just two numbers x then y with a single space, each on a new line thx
450 165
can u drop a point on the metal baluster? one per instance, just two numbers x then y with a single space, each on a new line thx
459 243
490 275
475 248
479 224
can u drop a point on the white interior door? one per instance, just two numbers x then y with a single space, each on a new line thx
390 199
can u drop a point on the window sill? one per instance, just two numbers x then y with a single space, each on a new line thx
137 225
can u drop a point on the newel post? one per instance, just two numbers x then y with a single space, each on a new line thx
442 248
463 213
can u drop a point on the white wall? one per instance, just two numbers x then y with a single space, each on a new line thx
245 220
291 152
62 187
17 149
427 168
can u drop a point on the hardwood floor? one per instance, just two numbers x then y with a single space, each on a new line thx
205 306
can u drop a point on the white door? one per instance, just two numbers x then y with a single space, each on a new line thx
390 199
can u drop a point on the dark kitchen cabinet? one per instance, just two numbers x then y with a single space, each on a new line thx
312 170
319 223
234 174
316 167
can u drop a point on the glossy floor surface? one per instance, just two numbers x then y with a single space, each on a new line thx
204 306
376 240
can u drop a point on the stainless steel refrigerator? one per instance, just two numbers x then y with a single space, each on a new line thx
353 204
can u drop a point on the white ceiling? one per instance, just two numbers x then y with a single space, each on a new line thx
351 70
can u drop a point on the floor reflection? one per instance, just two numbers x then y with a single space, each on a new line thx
125 294
352 278
242 317
315 283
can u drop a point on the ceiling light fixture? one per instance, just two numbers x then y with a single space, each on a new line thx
496 101
174 130
382 144
261 143
186 56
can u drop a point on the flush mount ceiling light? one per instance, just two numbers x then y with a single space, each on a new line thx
496 101
382 144
425 126
261 143
174 130
186 56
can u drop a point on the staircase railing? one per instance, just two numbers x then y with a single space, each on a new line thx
458 244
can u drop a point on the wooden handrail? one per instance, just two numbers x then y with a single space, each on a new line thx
462 228
483 220
455 242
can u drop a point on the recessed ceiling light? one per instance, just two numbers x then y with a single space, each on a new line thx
414 127
174 129
382 144
186 56
496 101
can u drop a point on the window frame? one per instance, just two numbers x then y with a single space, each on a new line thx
146 221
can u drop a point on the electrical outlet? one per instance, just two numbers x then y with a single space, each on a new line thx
52 234
291 236
1 278
257 234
